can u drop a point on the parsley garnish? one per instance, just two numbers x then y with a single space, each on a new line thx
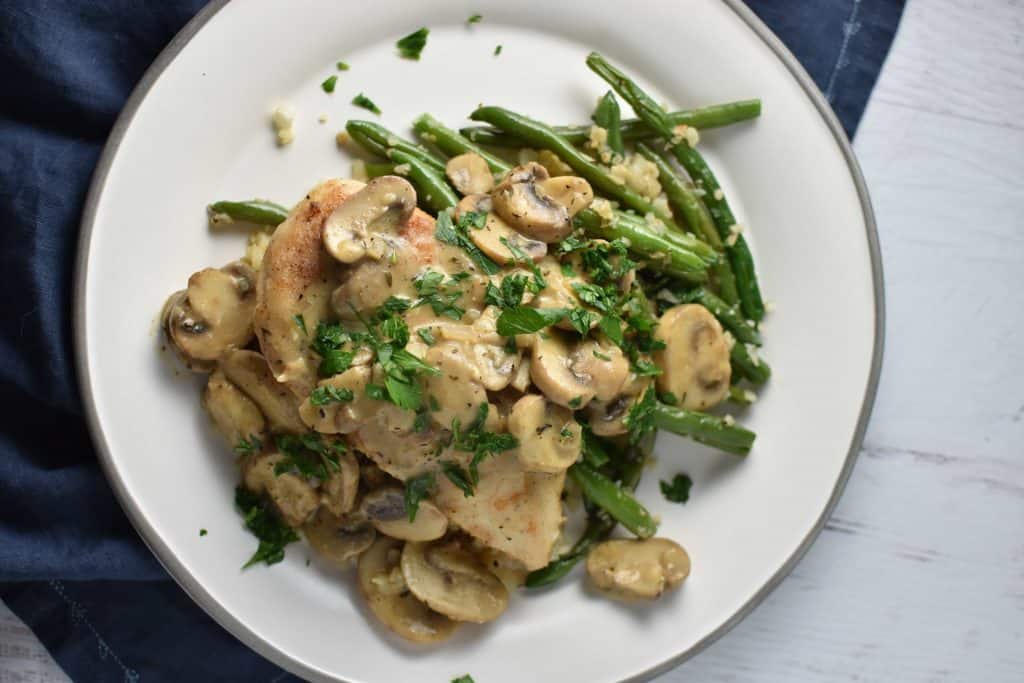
520 257
365 102
343 66
576 402
426 335
456 233
524 320
640 419
678 490
202 532
480 442
412 45
475 19
509 294
601 356
327 394
329 83
250 446
266 525
457 476
669 399
581 318
416 489
308 455
439 295
300 322
497 50
463 679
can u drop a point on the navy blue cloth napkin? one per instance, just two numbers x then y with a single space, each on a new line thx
70 564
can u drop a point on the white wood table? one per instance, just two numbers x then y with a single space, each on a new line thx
919 576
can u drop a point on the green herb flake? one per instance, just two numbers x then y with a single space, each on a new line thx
475 19
669 399
366 103
677 490
309 455
581 319
497 50
343 66
601 356
508 294
202 532
458 476
640 419
566 432
327 394
477 440
416 489
576 402
456 234
329 83
525 320
412 45
463 679
249 446
264 523
300 322
426 335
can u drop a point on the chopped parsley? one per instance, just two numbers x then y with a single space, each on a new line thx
329 83
456 233
601 356
366 103
426 335
581 319
508 294
327 394
481 443
202 532
677 490
416 489
249 446
457 476
463 679
412 45
343 66
261 519
524 320
497 50
300 322
576 402
640 419
669 399
475 19
438 294
566 432
308 455
520 257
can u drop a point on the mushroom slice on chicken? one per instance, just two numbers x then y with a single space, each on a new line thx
452 580
572 377
695 361
233 413
549 438
360 225
249 372
539 206
213 315
496 238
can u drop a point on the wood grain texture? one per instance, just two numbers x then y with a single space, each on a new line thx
919 575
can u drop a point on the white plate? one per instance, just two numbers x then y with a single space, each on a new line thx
197 129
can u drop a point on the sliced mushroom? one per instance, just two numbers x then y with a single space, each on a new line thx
457 391
213 315
385 508
636 568
452 581
380 207
559 292
233 413
509 571
293 496
572 378
608 418
382 584
496 238
521 379
549 437
341 417
249 372
539 206
495 364
469 173
695 360
338 493
338 539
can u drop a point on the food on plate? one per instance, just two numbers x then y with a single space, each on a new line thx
423 371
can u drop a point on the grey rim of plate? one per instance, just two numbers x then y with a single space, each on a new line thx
240 630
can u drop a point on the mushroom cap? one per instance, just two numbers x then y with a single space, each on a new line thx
354 229
635 568
522 203
550 372
338 493
695 361
608 418
233 413
469 174
212 315
249 372
452 581
382 584
550 439
341 417
336 538
386 511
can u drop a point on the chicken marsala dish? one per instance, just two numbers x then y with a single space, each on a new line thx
423 371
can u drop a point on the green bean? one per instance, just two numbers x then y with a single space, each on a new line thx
431 186
453 144
695 215
541 135
379 140
728 315
661 254
599 527
709 430
676 237
614 500
745 367
715 116
654 116
375 170
608 116
740 395
256 211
